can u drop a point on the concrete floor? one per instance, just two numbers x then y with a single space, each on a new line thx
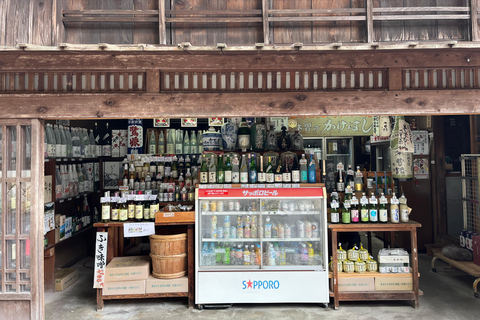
447 294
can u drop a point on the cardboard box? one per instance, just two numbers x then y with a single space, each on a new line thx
349 284
47 189
64 278
128 269
476 249
124 287
155 285
393 283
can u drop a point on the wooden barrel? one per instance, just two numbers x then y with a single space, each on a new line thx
168 245
169 267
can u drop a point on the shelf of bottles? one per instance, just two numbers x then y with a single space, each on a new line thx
261 233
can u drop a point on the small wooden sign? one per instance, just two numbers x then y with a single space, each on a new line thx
100 259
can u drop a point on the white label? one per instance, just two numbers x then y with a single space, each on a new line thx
138 229
334 204
364 201
354 201
394 201
244 177
340 166
169 215
383 200
373 201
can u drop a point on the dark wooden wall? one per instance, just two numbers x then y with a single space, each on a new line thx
39 22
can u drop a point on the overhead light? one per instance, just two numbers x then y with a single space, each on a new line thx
221 45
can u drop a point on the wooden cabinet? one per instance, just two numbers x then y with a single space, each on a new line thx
338 296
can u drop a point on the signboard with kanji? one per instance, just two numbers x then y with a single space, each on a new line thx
100 259
339 126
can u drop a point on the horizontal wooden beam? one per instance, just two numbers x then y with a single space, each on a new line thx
322 18
421 9
189 59
141 19
212 104
316 11
424 17
110 12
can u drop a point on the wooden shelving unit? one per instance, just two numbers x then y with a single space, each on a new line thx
115 249
375 295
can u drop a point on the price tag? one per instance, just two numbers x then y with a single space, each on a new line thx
354 201
373 200
270 185
278 185
104 199
340 166
394 200
168 159
287 185
169 214
364 200
122 200
346 205
227 186
153 197
138 163
334 204
260 186
383 200
295 185
334 195
161 159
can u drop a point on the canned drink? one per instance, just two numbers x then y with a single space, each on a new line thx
301 229
213 206
205 205
315 231
220 232
288 231
463 238
237 205
220 205
253 206
231 205
233 232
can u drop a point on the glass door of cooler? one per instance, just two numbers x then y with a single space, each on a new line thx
340 150
261 233
293 235
229 237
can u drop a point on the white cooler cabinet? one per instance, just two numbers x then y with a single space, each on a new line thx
286 225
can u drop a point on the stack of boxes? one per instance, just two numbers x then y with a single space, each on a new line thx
131 275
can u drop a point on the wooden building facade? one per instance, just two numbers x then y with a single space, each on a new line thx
66 59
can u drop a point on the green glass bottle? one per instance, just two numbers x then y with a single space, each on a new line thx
252 169
227 168
220 170
204 171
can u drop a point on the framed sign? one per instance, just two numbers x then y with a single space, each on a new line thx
215 122
335 126
161 122
189 122
112 172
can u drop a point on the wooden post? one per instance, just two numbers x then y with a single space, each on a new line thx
369 13
474 19
153 81
395 79
413 240
266 26
162 32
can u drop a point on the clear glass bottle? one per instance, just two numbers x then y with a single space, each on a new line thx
152 143
193 143
161 143
171 141
244 170
106 210
235 169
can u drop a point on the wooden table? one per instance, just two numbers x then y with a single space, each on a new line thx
466 266
115 248
376 295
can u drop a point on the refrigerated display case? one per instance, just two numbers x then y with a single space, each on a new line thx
259 245
338 149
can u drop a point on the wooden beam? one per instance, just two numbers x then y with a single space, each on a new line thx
251 60
294 103
162 29
266 23
474 19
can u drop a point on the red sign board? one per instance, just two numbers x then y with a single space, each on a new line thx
260 192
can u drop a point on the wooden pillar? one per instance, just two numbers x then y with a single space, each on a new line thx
474 19
369 19
266 26
162 32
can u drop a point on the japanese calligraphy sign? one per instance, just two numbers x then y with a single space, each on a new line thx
100 259
138 229
340 126
135 136
420 142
